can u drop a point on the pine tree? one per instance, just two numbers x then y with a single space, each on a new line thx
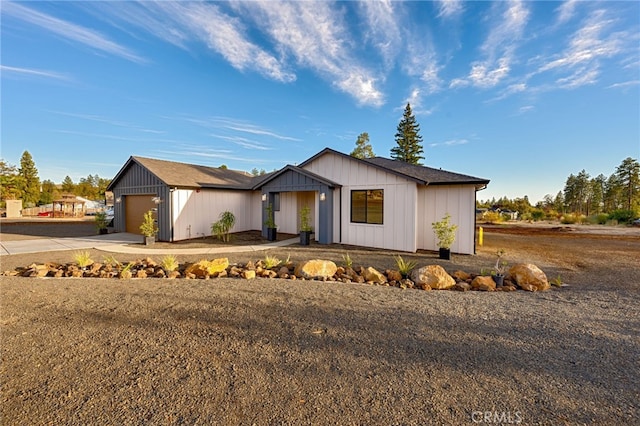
8 182
30 182
628 174
408 139
68 187
363 148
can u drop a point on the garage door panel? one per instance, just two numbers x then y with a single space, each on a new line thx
135 207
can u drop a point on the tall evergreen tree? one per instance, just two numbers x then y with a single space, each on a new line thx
363 148
68 187
628 174
408 139
49 192
30 182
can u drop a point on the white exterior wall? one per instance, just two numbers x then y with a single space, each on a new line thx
193 212
436 201
398 231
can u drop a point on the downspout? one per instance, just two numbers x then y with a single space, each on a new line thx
340 217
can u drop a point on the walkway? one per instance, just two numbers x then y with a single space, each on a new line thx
119 243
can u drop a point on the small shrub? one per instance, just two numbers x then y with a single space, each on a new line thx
492 217
404 267
557 281
111 261
222 227
148 227
271 262
568 219
83 258
126 271
347 261
169 263
445 231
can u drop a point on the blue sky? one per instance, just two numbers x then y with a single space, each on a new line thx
522 93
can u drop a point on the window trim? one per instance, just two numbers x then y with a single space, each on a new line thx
366 207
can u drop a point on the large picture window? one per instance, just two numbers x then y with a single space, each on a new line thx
367 206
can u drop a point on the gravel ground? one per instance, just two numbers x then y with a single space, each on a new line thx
223 351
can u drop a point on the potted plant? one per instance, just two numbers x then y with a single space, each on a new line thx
305 226
270 223
149 228
446 233
499 268
102 222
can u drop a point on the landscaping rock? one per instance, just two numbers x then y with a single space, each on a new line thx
373 275
529 277
393 275
461 275
462 286
205 268
315 268
433 276
249 274
483 283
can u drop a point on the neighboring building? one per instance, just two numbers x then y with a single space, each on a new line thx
374 202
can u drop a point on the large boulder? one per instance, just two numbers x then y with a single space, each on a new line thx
529 277
315 268
433 276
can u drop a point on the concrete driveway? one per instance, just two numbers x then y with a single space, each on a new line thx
75 243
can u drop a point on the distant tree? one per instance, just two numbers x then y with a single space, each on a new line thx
9 178
612 194
223 167
102 186
408 139
363 148
49 192
256 172
85 188
597 193
628 175
68 187
577 193
30 182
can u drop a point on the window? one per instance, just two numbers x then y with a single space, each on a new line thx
367 206
276 201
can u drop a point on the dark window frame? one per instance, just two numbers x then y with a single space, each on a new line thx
368 213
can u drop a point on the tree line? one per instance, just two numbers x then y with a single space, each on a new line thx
23 183
601 198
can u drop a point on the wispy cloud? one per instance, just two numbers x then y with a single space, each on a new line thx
383 29
238 126
315 35
499 48
33 72
566 11
201 151
69 31
624 85
243 142
451 142
109 121
449 8
525 109
588 46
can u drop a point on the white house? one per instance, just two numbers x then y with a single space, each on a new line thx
374 202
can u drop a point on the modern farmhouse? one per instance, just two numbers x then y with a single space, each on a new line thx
374 202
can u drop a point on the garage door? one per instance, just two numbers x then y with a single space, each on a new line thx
135 206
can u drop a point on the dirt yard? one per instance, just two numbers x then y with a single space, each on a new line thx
223 351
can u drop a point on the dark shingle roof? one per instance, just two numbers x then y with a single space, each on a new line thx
420 174
428 175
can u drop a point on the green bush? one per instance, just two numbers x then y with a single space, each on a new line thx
492 217
537 214
622 216
568 219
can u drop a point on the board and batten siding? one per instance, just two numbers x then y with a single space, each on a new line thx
398 231
137 180
436 201
194 211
